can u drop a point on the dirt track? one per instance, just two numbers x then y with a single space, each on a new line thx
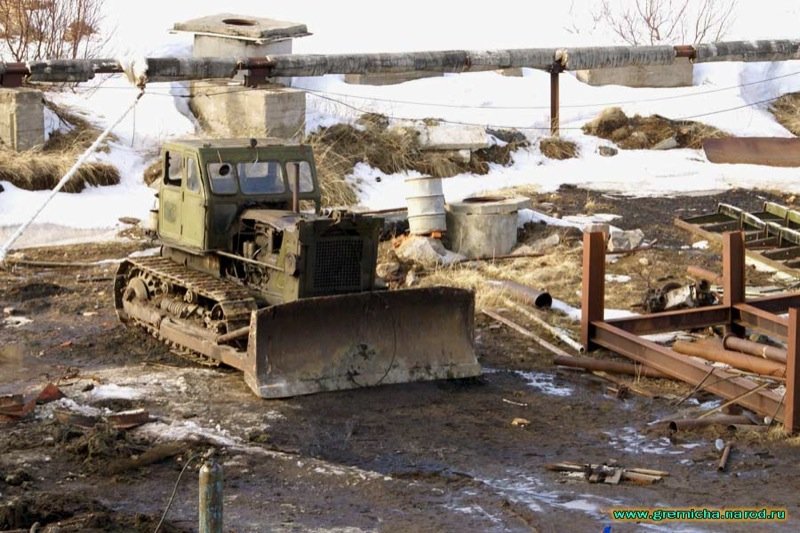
421 457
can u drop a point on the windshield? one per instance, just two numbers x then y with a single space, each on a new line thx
222 178
261 177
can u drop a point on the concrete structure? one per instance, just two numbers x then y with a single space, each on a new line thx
21 118
231 111
225 110
677 74
484 226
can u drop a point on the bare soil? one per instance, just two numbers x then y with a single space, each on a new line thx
440 456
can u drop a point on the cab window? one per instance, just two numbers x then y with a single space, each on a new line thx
222 178
304 169
261 177
192 175
174 169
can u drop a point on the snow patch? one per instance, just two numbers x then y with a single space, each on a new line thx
113 391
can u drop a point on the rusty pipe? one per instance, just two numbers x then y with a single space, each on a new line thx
747 427
233 335
696 423
773 353
524 294
738 360
723 461
608 366
702 273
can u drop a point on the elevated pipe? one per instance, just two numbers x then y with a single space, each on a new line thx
286 65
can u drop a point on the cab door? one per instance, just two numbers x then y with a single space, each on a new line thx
170 198
193 231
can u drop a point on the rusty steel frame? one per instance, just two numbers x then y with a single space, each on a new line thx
623 336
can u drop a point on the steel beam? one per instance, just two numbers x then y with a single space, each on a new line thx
700 317
748 316
792 399
719 382
593 285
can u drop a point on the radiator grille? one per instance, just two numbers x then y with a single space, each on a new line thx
338 265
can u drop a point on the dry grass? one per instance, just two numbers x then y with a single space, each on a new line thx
637 132
391 150
41 169
558 148
152 172
787 112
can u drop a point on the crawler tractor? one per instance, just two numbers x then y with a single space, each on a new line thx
247 279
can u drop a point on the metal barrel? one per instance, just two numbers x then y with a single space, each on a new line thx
425 200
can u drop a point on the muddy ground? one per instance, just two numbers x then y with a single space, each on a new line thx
438 456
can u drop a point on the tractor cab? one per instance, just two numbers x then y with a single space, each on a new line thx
207 184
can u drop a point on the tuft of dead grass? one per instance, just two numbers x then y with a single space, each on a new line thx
340 147
152 172
638 133
43 168
786 110
558 148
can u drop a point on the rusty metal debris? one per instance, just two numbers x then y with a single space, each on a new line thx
524 331
121 420
16 406
616 367
676 296
773 353
714 351
764 315
770 151
609 474
770 235
723 461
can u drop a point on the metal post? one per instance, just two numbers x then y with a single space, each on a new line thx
791 413
733 276
593 286
210 506
555 70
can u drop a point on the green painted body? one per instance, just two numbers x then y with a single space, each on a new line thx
215 218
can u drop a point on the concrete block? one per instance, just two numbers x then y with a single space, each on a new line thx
230 111
451 137
678 74
389 78
21 118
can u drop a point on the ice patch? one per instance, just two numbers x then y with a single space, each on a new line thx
187 430
545 383
113 391
629 440
700 245
617 278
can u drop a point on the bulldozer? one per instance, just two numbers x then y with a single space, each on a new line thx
253 274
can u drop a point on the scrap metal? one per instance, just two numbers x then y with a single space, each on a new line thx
771 235
623 335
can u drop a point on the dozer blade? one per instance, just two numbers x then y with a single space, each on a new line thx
360 340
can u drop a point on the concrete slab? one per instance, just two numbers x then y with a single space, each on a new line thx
244 27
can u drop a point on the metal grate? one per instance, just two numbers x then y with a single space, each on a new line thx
338 265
